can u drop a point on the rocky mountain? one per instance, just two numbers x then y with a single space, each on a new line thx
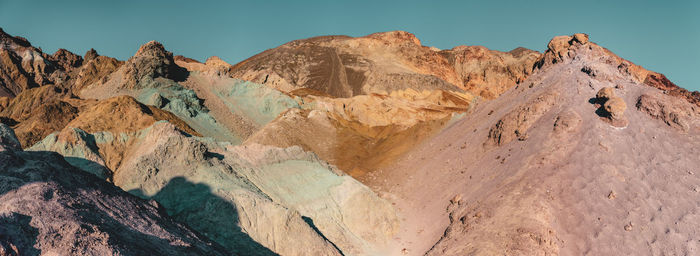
334 145
343 66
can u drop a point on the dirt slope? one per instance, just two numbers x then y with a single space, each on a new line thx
545 169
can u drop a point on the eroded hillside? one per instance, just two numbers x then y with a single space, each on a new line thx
374 145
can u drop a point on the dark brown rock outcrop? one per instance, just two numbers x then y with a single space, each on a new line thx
66 59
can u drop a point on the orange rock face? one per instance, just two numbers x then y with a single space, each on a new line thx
343 66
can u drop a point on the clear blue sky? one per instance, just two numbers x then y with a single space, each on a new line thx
663 36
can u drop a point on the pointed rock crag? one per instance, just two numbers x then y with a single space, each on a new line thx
91 55
95 69
48 206
66 59
151 61
23 66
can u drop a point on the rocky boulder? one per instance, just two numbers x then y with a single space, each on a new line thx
615 106
610 106
605 94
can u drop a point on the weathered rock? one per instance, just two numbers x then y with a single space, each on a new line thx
95 69
559 45
520 198
488 73
581 38
66 59
151 61
605 94
90 55
13 78
615 106
674 114
566 48
567 121
516 123
23 66
46 119
213 65
8 140
611 106
49 207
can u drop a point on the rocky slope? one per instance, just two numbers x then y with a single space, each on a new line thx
101 126
343 66
49 207
239 196
582 157
362 133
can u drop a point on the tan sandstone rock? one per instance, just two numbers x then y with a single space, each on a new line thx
615 106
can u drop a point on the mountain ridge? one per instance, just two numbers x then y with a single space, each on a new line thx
373 145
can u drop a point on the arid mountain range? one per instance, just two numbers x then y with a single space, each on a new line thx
338 145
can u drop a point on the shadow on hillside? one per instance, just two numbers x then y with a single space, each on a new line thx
17 237
195 205
600 110
311 224
188 203
179 74
83 200
90 166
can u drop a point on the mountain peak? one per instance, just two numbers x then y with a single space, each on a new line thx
9 39
559 46
595 58
90 54
152 48
67 59
396 37
152 60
